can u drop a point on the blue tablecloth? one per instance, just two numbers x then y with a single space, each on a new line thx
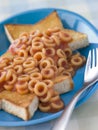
86 116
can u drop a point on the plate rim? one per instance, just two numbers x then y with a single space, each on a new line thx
51 117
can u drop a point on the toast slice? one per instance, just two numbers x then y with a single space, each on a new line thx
63 84
23 106
13 31
79 40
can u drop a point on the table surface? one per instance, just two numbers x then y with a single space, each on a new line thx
86 116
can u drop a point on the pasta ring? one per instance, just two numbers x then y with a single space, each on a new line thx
56 39
76 61
37 46
55 69
36 39
12 79
18 60
9 74
30 70
23 53
50 51
27 70
60 53
31 84
31 51
68 52
49 83
52 31
9 67
44 63
29 64
24 39
47 73
5 60
18 69
47 39
29 42
50 60
40 89
57 105
54 98
44 108
70 69
46 97
24 77
23 34
62 62
65 36
36 75
48 42
30 58
66 73
36 33
39 56
33 71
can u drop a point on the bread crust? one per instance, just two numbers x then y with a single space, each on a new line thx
63 84
14 103
14 30
79 40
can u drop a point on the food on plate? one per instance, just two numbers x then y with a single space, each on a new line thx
79 40
39 64
23 106
14 30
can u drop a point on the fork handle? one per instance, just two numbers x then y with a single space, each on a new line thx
63 120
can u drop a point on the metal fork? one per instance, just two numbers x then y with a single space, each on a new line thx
90 78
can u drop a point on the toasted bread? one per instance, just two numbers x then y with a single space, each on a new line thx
13 31
23 106
63 84
29 102
79 40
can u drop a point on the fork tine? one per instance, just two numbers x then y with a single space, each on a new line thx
88 64
96 56
93 58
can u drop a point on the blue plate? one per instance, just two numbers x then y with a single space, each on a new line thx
70 20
